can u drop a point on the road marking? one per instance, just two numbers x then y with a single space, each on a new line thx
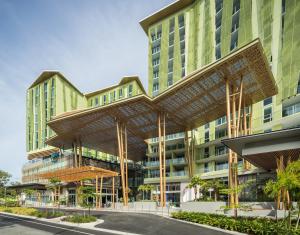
52 226
72 230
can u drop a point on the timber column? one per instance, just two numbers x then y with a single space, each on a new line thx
122 150
161 122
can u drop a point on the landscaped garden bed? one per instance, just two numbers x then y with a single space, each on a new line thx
80 218
260 226
18 210
47 214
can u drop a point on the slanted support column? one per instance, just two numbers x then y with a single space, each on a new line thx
113 192
100 194
97 193
75 153
161 122
80 154
122 149
234 128
188 154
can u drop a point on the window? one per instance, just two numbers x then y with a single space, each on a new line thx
235 22
290 110
234 40
130 90
206 169
46 99
268 101
171 25
206 126
155 87
206 136
298 87
155 49
170 80
104 99
218 36
155 74
96 101
171 39
220 150
236 6
221 166
52 97
267 114
155 62
221 121
120 92
206 152
218 20
220 133
219 5
181 21
218 52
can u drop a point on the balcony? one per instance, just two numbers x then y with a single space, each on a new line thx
175 161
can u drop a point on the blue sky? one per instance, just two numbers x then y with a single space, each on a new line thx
92 42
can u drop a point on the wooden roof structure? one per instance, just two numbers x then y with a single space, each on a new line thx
263 150
78 173
191 102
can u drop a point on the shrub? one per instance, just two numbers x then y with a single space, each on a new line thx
260 226
19 210
47 214
7 210
80 218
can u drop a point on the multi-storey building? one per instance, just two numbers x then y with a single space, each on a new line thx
51 95
189 34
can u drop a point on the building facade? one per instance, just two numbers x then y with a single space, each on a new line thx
51 95
189 34
185 36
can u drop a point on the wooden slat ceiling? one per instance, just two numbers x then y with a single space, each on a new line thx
78 173
267 161
191 102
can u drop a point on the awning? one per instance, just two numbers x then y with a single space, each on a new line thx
263 149
78 173
191 102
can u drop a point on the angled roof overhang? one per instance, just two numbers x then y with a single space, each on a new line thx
78 173
163 13
191 102
263 149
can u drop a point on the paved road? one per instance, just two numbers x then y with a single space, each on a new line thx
12 225
147 224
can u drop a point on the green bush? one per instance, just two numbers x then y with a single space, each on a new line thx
259 226
8 210
80 219
47 214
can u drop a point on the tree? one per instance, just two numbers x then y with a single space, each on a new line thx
145 188
195 182
87 193
53 184
4 179
237 190
216 185
287 180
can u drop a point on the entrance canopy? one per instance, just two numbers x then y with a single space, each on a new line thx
78 173
262 150
191 102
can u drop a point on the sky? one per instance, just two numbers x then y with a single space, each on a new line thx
94 43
